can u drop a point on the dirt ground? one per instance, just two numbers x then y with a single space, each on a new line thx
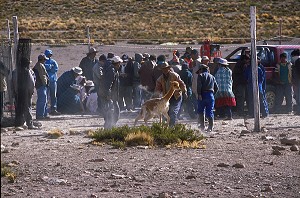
236 162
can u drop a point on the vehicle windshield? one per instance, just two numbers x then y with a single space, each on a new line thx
264 53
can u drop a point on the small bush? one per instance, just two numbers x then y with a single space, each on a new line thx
156 135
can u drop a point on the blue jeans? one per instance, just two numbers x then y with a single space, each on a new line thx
207 104
174 109
52 93
41 103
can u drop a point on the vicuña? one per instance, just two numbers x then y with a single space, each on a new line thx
157 106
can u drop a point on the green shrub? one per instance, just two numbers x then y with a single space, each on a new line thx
157 135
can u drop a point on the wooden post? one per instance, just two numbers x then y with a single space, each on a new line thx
254 70
10 66
280 30
16 40
89 37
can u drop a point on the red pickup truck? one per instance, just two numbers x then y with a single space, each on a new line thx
269 55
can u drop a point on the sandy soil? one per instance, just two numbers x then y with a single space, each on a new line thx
235 163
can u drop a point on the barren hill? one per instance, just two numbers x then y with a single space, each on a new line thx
174 20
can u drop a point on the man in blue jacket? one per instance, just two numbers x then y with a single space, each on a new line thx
52 68
206 87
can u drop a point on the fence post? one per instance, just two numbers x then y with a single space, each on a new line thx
89 37
254 70
10 66
16 40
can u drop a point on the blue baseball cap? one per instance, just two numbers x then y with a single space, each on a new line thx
48 52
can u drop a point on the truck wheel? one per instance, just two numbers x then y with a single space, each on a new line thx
271 96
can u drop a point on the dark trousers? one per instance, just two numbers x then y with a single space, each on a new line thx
125 94
24 113
240 92
297 88
2 104
284 90
188 107
224 111
136 95
111 113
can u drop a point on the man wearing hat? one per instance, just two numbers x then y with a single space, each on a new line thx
23 94
52 68
110 95
206 87
195 67
137 95
41 84
126 83
162 87
98 76
88 62
240 82
146 77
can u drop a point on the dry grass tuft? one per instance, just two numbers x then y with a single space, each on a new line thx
139 138
8 173
54 134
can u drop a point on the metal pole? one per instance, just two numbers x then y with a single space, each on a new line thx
254 70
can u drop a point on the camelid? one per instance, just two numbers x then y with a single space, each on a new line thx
157 106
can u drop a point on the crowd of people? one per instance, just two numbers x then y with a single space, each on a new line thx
110 84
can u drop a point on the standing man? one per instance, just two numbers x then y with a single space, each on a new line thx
41 85
88 62
195 67
296 77
187 104
26 98
284 88
137 96
52 68
163 86
206 87
126 77
146 76
98 76
240 81
4 71
110 95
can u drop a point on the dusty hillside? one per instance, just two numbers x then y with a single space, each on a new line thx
157 19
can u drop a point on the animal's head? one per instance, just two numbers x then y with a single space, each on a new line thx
175 85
